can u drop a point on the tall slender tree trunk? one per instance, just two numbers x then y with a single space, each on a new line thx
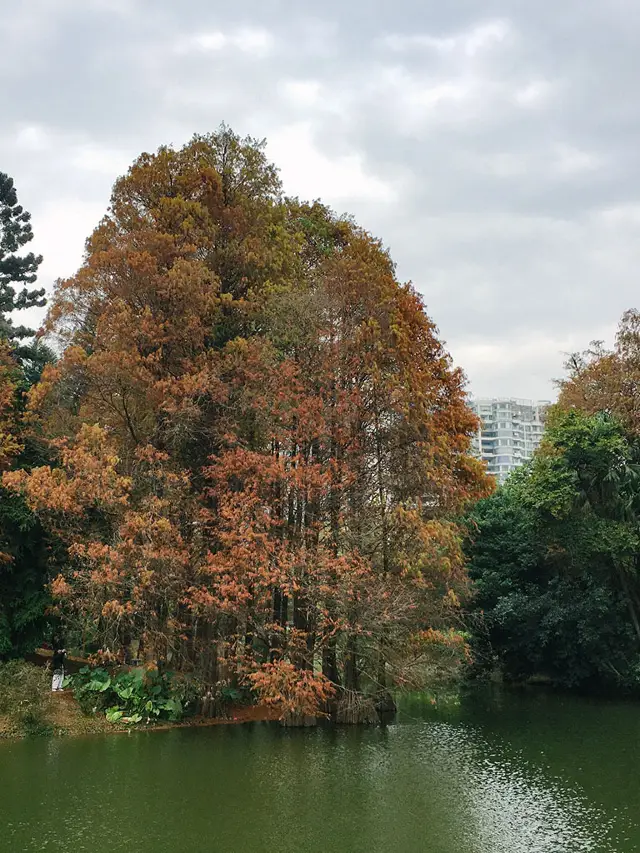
351 672
330 662
384 523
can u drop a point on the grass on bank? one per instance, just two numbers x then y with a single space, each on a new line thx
29 708
97 702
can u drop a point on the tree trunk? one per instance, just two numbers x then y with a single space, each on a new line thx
330 662
351 673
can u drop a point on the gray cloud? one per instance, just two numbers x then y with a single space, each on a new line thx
492 147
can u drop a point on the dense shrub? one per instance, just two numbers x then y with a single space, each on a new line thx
134 696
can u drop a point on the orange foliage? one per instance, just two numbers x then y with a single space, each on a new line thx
295 694
10 445
607 381
279 439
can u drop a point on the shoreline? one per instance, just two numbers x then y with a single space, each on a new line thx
67 720
61 715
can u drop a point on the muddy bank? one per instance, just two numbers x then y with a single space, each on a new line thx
64 718
31 709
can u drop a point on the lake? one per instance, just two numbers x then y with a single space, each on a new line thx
503 772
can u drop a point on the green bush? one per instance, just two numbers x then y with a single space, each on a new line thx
134 696
92 689
25 697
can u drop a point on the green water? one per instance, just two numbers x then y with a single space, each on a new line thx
505 773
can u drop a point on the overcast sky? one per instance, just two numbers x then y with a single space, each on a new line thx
494 147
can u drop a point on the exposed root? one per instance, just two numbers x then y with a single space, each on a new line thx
298 720
355 709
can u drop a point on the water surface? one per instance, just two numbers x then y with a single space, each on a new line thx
502 773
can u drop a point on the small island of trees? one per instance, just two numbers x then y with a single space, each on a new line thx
239 454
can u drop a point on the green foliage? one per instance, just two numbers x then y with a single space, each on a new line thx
134 696
25 697
554 557
90 688
26 548
234 696
15 268
23 597
33 554
33 357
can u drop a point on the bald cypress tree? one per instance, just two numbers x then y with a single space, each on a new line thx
16 267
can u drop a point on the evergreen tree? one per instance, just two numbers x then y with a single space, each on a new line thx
25 549
16 268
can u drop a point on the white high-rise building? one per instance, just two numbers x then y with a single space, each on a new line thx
511 430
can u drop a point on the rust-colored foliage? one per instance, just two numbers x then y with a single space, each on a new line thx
10 426
261 440
601 380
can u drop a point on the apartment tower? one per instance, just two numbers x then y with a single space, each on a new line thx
510 431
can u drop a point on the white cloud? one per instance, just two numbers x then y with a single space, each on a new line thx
250 41
622 215
429 97
492 152
303 93
90 157
418 100
570 160
533 94
469 43
308 172
205 42
76 152
61 229
517 363
485 36
33 137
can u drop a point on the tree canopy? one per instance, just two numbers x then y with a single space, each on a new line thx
607 380
260 443
554 555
